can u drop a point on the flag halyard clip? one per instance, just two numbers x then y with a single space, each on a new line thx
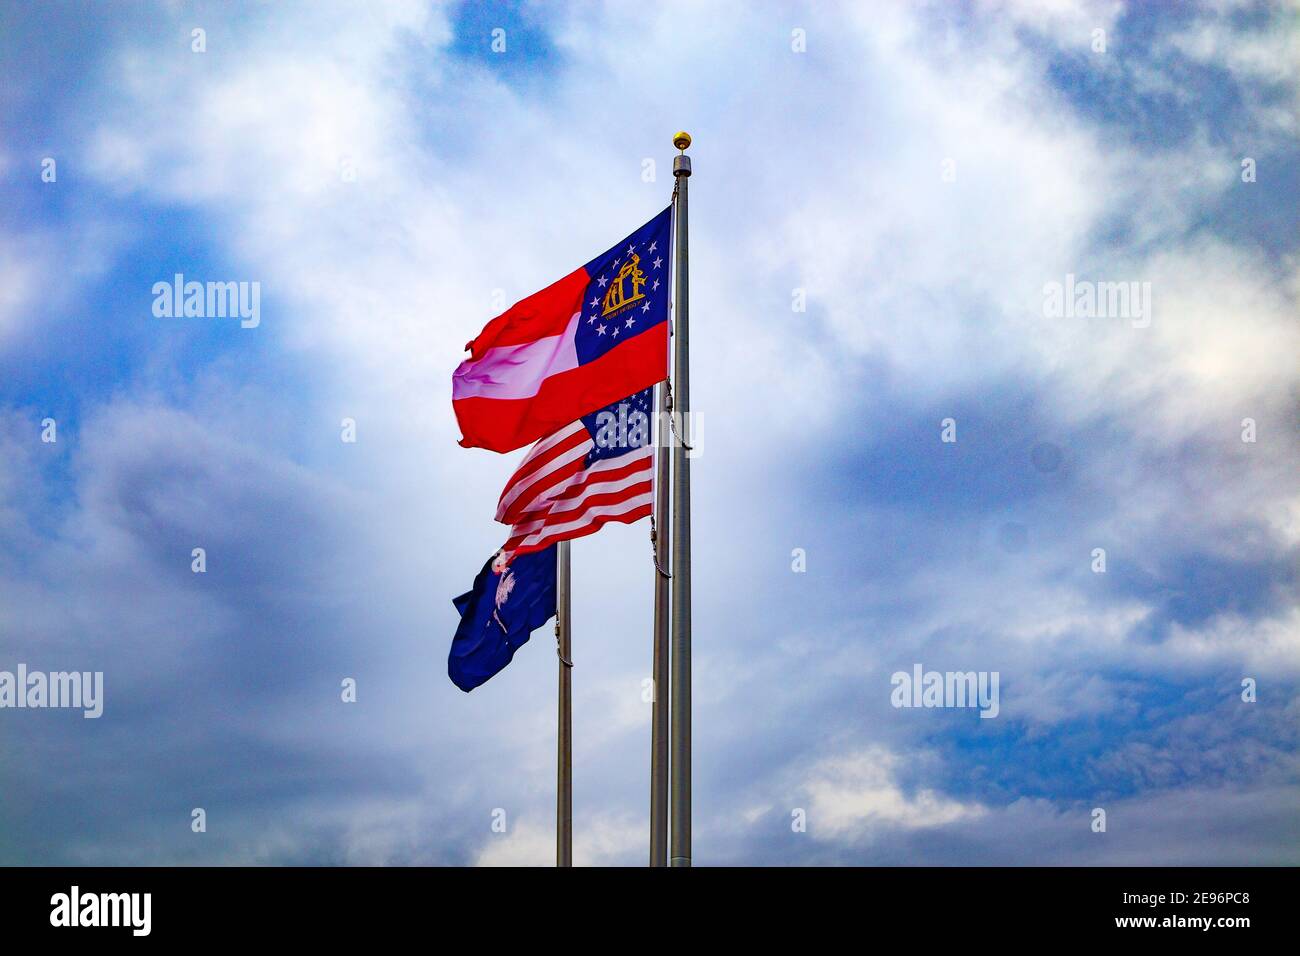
672 418
654 550
563 660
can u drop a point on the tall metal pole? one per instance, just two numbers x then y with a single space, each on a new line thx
564 734
659 708
680 750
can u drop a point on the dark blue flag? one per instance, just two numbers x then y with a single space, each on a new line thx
499 614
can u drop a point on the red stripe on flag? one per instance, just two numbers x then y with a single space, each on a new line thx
541 314
595 500
560 448
602 477
567 483
641 511
503 425
513 512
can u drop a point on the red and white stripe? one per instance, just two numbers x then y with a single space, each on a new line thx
553 497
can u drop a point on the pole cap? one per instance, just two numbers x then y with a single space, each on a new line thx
682 140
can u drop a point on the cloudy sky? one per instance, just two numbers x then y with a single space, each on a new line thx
917 174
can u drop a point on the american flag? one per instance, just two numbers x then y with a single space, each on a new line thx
594 471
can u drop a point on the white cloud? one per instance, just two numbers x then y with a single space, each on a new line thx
387 275
19 286
598 840
1268 646
854 795
1260 57
1268 54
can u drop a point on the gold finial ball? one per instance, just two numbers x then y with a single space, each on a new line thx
682 140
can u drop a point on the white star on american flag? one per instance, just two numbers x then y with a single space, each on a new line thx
601 281
652 247
631 322
657 261
600 330
646 307
655 287
594 302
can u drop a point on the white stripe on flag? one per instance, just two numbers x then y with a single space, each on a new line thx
587 519
595 488
520 488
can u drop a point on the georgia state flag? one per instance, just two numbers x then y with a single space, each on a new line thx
597 335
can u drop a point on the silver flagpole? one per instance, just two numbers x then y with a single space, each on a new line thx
680 749
564 734
659 708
